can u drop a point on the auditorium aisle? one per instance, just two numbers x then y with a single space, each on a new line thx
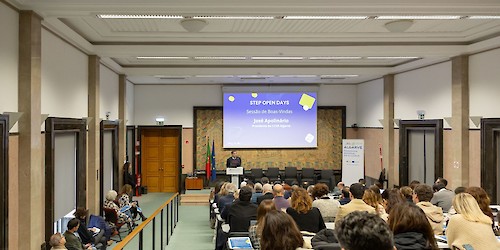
193 231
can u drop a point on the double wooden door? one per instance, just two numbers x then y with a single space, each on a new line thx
160 160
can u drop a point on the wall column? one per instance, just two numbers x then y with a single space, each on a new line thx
460 121
30 221
388 134
122 128
93 136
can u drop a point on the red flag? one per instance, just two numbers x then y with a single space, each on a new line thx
209 160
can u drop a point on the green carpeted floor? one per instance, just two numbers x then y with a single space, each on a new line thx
192 232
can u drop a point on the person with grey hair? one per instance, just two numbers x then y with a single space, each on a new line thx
110 203
267 191
57 241
257 193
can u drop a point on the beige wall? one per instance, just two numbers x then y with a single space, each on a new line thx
187 150
13 190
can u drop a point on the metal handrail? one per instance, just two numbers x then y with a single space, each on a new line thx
138 230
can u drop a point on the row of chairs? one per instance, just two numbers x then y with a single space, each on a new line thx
291 176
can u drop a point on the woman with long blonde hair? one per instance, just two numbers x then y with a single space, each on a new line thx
371 198
470 228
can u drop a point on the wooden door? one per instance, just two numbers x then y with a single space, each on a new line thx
160 159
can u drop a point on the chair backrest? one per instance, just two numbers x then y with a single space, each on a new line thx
257 173
326 173
290 172
307 172
110 215
273 172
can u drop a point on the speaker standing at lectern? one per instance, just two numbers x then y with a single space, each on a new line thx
233 161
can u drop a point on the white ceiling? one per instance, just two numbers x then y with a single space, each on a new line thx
120 41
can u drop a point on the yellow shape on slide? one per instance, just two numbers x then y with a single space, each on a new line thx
231 98
254 95
307 101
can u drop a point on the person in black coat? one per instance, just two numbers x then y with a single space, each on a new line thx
233 161
411 228
267 189
89 235
307 217
128 178
242 211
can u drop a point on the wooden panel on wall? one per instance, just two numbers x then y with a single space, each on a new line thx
328 154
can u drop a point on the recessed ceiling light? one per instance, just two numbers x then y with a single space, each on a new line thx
255 76
325 17
166 77
435 17
163 57
392 57
277 57
214 76
290 76
483 17
233 17
337 76
220 57
334 57
120 16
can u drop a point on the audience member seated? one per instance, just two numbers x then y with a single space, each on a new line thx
362 182
93 236
110 203
279 199
219 187
308 218
241 212
327 206
411 228
413 184
338 189
264 180
442 196
279 231
374 199
407 193
57 241
460 190
288 190
361 230
126 205
255 230
483 200
356 192
394 197
257 193
228 198
310 189
325 240
72 241
422 196
470 228
345 197
267 191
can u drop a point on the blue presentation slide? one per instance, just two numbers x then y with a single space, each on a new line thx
270 120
